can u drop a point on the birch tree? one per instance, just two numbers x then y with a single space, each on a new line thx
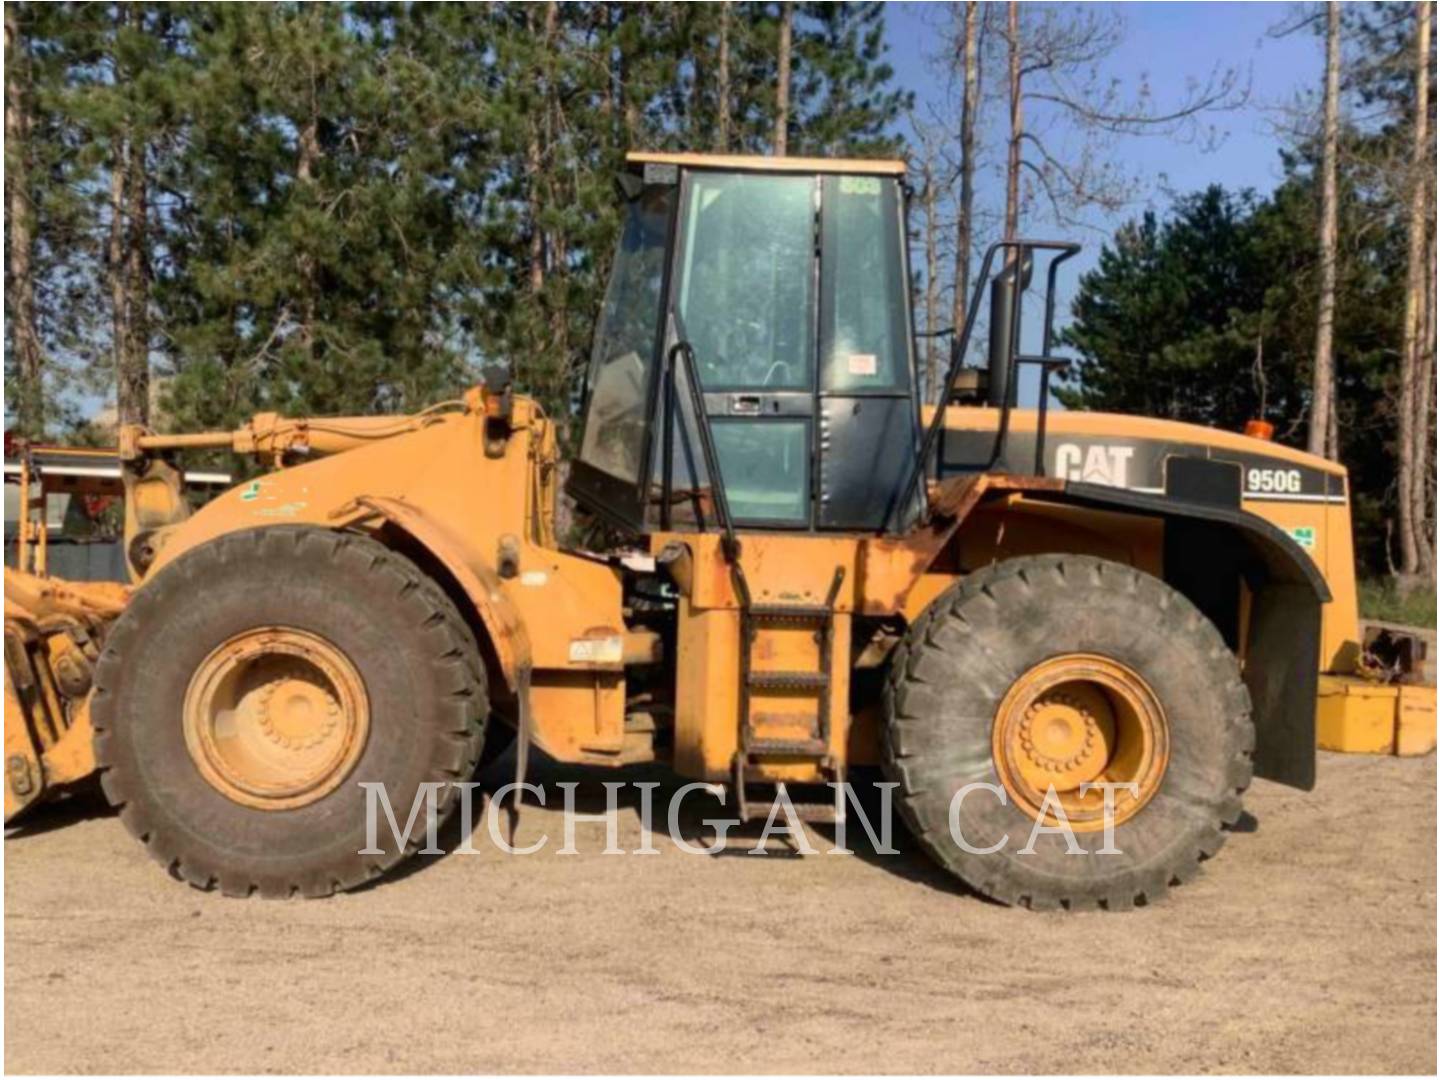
722 82
929 196
781 140
1053 56
1417 350
1324 436
969 60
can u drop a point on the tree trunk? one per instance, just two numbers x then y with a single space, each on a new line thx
1323 426
1017 123
115 267
308 150
695 47
630 110
969 110
126 275
306 157
137 287
782 82
932 273
722 82
534 164
129 265
1414 396
557 242
1423 484
20 238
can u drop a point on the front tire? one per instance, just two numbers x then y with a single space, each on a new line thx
1052 672
254 684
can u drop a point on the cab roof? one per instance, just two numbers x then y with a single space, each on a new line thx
759 163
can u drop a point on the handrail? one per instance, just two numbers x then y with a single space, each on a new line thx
730 544
1046 360
961 343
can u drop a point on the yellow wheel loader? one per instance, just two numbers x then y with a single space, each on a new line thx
1101 624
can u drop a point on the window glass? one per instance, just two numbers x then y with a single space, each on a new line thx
865 332
766 467
624 352
746 286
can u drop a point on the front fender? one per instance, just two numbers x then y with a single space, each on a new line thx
479 581
426 484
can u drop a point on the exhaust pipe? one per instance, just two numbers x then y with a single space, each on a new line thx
1004 294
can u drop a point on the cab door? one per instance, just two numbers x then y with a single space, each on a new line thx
744 297
792 292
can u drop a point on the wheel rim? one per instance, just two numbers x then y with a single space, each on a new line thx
275 718
1078 719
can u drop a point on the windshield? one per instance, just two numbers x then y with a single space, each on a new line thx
624 354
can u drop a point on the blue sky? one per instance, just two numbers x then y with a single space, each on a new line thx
1168 44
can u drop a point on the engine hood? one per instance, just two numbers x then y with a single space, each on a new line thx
1132 451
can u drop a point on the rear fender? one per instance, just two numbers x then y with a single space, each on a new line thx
1282 634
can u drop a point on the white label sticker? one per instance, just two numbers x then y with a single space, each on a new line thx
859 185
534 577
602 650
862 363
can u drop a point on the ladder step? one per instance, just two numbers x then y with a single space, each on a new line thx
791 612
789 680
787 748
758 806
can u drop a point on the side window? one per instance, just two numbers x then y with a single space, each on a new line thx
767 468
747 280
624 352
864 318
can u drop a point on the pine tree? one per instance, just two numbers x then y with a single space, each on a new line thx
354 207
24 353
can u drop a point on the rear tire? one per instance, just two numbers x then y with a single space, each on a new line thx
950 682
423 686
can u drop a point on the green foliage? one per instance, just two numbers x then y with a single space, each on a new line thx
1167 325
55 158
845 104
1209 317
318 259
1384 600
352 207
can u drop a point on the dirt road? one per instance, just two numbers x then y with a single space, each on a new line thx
1307 946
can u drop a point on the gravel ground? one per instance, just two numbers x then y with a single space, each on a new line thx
1307 946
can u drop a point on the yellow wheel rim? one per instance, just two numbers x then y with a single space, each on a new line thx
1080 719
276 718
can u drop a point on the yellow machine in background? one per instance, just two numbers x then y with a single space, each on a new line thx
53 633
819 574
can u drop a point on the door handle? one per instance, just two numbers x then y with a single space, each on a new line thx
744 404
